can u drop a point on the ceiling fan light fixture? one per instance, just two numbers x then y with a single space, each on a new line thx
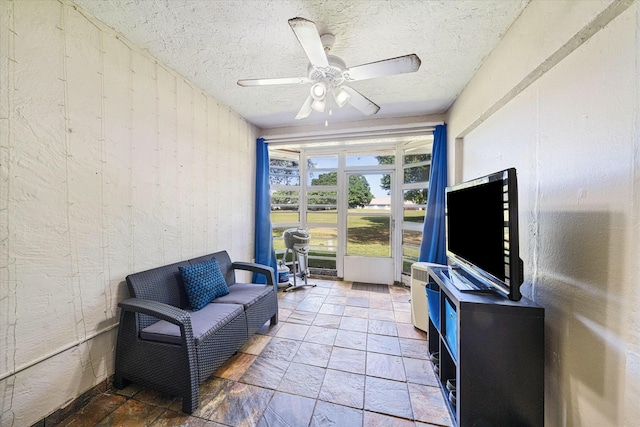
319 105
341 96
319 91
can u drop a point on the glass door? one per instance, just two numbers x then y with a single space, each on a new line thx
369 227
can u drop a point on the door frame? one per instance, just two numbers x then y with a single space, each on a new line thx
363 268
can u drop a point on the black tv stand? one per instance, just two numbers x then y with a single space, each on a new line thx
487 353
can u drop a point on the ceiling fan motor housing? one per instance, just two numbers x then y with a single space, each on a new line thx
333 74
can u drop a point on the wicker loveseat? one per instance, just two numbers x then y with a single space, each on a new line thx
164 345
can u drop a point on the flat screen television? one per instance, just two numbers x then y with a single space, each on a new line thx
482 234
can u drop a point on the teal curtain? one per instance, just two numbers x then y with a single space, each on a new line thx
263 240
432 247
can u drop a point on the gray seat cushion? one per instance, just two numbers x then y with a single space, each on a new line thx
204 322
246 294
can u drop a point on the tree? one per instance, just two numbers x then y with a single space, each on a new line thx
359 190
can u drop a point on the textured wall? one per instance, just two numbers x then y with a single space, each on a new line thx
110 163
572 135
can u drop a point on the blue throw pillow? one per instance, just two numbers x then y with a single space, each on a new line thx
203 283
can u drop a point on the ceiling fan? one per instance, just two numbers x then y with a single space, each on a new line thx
329 74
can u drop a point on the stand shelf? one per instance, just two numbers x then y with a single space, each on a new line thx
488 353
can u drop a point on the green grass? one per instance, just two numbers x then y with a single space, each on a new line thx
367 234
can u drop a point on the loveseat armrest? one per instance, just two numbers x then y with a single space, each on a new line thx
159 310
257 268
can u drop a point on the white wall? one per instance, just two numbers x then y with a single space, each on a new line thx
110 164
572 134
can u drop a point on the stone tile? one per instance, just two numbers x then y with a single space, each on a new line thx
255 344
382 327
313 354
343 388
265 372
132 413
377 314
351 339
409 331
293 331
311 303
242 406
235 366
354 324
371 419
385 366
379 296
281 348
420 371
428 404
212 392
402 316
383 344
284 313
348 360
417 349
360 312
154 397
94 411
330 414
358 302
287 410
400 294
381 304
304 380
327 321
268 329
173 418
320 335
333 299
334 309
130 390
401 306
301 317
387 397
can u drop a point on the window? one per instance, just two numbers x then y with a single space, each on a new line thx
284 177
416 167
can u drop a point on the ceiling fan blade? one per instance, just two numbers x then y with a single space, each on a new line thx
361 102
386 67
307 34
277 81
305 111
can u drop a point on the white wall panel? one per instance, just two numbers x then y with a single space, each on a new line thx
168 143
572 135
109 164
199 167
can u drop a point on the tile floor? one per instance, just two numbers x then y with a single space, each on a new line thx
338 357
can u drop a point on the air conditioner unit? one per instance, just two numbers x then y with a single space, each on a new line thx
419 310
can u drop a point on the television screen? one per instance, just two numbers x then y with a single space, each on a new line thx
482 230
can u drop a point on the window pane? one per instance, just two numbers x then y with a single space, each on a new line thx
324 178
413 238
284 172
416 158
374 159
284 216
322 200
410 252
328 216
417 174
368 235
323 239
329 162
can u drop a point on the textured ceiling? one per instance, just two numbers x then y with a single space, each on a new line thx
214 43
